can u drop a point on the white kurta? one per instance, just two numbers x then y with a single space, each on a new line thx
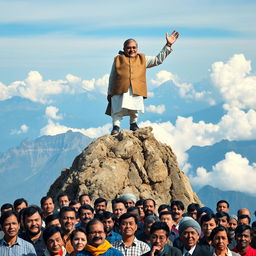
123 103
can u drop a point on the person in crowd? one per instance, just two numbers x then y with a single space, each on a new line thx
159 235
96 241
85 199
67 217
47 205
243 240
54 242
129 200
33 220
108 219
129 244
78 240
202 211
127 81
166 216
220 241
52 220
148 222
253 242
136 211
6 207
192 210
208 223
85 214
233 222
177 210
244 220
231 231
63 200
222 206
243 211
189 234
19 204
75 204
100 205
222 219
11 244
119 208
139 204
163 207
149 206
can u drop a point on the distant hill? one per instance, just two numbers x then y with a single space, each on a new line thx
29 169
209 196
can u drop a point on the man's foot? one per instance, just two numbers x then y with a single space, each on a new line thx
134 127
115 130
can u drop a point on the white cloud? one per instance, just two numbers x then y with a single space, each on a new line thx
23 129
51 112
233 80
159 109
73 79
232 173
100 85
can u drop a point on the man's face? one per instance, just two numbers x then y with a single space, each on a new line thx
223 221
55 222
85 200
149 207
244 239
96 235
86 216
128 227
176 213
243 221
54 243
233 224
119 209
67 221
109 224
158 239
131 49
20 207
220 240
63 201
208 226
76 206
142 213
167 218
100 207
11 227
33 224
129 203
222 207
48 206
193 214
189 237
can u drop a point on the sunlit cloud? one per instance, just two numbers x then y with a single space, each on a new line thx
159 109
52 113
23 129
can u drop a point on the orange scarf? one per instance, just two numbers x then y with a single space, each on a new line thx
95 251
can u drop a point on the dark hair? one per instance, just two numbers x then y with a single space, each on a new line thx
19 201
151 219
78 229
222 214
91 223
160 226
80 197
193 207
207 217
73 202
32 209
50 231
66 209
107 215
100 200
149 199
223 201
6 206
85 207
127 216
254 224
164 213
162 207
133 208
244 216
241 228
6 215
139 202
50 218
219 229
44 198
117 201
61 195
178 203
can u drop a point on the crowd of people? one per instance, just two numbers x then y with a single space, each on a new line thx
132 227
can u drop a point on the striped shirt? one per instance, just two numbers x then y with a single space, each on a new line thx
21 247
136 249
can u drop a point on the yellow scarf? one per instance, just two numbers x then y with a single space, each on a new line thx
95 251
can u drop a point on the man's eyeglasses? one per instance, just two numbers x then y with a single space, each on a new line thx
131 47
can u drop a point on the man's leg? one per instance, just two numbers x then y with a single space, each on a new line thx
134 115
116 120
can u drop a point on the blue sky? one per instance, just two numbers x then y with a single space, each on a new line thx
58 53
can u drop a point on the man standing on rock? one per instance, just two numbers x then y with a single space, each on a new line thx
127 81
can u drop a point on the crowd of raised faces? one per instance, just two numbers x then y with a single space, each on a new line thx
125 226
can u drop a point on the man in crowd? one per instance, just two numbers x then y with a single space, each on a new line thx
108 219
63 200
19 204
52 220
118 209
149 206
222 206
129 244
67 221
32 218
129 200
85 199
47 205
244 220
243 239
11 244
192 210
243 211
75 204
6 207
222 219
85 214
177 210
100 205
96 241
